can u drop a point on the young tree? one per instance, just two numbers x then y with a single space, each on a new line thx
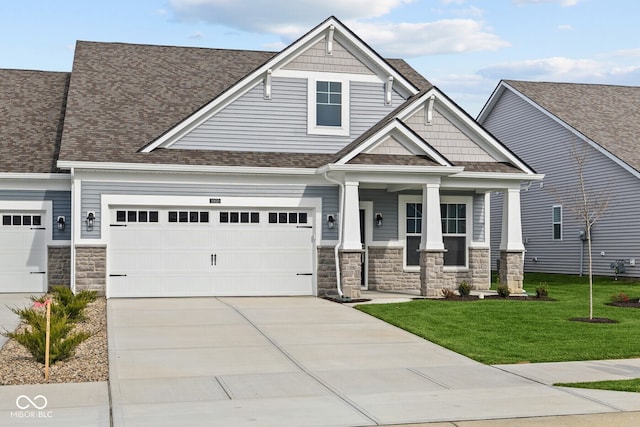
587 203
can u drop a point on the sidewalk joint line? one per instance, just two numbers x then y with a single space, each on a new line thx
300 366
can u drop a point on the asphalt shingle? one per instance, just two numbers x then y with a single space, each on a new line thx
32 107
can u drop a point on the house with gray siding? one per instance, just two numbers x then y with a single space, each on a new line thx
321 169
550 125
35 195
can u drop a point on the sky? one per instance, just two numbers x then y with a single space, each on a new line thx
464 47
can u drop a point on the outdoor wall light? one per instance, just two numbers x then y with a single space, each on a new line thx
91 217
379 219
61 223
331 221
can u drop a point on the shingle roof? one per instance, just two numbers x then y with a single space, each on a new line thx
124 96
608 115
31 114
392 160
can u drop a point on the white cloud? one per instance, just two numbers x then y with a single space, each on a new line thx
196 36
566 70
564 3
288 18
418 39
565 27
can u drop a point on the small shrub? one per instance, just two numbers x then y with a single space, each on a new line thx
33 337
503 291
542 291
464 289
448 294
65 303
620 297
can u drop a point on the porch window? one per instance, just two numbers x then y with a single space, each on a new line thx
413 230
454 233
557 222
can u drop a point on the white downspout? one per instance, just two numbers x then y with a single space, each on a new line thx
72 273
340 218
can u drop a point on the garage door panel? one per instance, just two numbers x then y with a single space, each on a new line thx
165 285
23 259
255 284
184 259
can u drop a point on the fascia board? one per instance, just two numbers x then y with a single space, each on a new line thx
147 167
35 181
397 169
253 78
500 176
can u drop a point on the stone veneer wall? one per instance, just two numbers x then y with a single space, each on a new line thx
59 266
91 269
326 280
434 278
512 270
350 273
386 272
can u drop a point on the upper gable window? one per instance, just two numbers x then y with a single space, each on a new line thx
329 104
328 109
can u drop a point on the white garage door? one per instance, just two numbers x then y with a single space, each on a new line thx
23 252
188 252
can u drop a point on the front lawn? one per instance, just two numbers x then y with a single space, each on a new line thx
619 385
511 331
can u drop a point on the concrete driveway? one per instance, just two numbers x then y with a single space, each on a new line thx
300 361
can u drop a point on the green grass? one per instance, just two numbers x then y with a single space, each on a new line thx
619 385
509 331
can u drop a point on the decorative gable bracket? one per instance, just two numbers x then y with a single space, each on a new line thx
267 84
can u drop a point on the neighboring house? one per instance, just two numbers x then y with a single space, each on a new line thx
34 194
320 169
543 123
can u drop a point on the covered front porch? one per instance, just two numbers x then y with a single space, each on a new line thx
419 230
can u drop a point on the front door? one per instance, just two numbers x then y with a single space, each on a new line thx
363 240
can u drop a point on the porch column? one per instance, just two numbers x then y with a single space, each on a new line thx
351 247
431 243
511 270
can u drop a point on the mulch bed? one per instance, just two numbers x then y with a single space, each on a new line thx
632 303
510 298
343 300
593 320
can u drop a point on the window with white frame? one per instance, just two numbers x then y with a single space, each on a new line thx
413 231
328 109
454 233
556 220
456 229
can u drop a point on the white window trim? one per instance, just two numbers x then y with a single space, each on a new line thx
312 127
402 227
461 200
553 223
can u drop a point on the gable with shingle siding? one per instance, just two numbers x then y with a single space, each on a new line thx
32 106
